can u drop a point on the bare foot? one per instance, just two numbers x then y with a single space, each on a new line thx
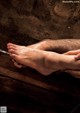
40 45
43 61
28 57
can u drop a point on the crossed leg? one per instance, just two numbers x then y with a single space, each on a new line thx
34 58
26 56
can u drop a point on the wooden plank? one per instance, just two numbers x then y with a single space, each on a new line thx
32 77
16 93
18 84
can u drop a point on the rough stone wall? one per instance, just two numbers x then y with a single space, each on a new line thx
39 19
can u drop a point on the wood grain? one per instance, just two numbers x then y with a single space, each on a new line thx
50 91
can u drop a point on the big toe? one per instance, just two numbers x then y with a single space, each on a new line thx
11 45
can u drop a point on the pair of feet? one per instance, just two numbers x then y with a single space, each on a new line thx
30 56
33 57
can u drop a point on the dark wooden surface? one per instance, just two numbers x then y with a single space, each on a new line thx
60 91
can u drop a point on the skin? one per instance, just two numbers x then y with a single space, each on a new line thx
74 73
43 61
72 46
59 46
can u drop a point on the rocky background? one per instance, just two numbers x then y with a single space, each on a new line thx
23 21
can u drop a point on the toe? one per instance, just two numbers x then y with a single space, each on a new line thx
9 44
17 65
13 51
11 47
15 57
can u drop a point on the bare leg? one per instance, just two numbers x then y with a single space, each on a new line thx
43 61
33 58
28 57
